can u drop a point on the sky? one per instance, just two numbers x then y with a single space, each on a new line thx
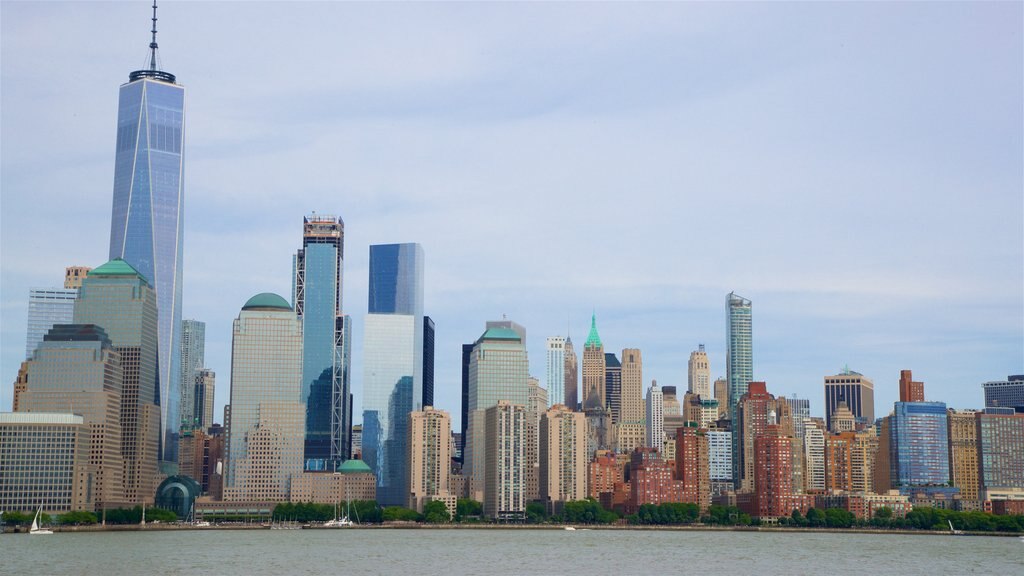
855 169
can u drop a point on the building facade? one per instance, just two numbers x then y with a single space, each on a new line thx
856 390
44 462
754 412
1001 445
698 374
1005 393
46 307
693 466
430 433
555 347
572 376
505 474
918 445
910 391
593 370
193 353
655 404
963 452
632 426
739 365
563 457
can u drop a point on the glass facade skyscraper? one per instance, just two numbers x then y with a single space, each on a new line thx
317 295
46 307
193 349
918 444
146 225
556 370
392 364
739 362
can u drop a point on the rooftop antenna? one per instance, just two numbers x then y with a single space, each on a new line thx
152 71
152 44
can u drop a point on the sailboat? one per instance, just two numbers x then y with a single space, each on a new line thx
35 529
338 522
954 531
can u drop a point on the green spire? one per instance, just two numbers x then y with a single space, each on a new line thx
593 340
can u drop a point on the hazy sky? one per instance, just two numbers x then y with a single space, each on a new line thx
854 169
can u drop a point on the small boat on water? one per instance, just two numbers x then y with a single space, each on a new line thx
36 529
572 528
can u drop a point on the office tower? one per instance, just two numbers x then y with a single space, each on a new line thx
720 460
44 462
1005 393
739 365
655 417
74 275
593 370
556 373
505 447
699 374
318 274
572 377
77 370
613 386
467 354
842 419
693 466
814 457
774 496
47 307
563 457
632 416
536 405
428 361
754 412
857 391
147 215
119 299
430 433
266 430
910 391
392 364
204 388
498 370
193 349
918 445
963 451
1001 445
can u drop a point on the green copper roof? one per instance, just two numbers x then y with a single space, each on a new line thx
116 267
354 466
500 334
267 300
593 340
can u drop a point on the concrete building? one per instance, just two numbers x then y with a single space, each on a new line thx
44 462
842 419
814 457
74 275
563 457
838 449
722 395
698 376
353 482
774 496
655 437
856 390
536 405
963 451
266 430
720 460
693 466
755 412
572 376
20 384
1001 445
651 480
910 391
603 472
1007 393
201 457
430 457
505 473
555 370
862 461
632 425
670 400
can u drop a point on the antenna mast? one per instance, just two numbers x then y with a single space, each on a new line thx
152 44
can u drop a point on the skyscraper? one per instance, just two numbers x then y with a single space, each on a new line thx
963 452
430 434
1007 393
428 361
856 390
563 457
193 349
593 370
572 376
613 385
739 365
632 415
117 298
556 370
392 364
918 445
693 466
1001 444
326 334
655 417
204 389
504 477
754 413
699 374
267 427
147 217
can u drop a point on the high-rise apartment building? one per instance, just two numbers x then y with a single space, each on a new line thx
655 417
862 461
193 352
918 445
430 456
693 466
536 405
498 370
722 395
505 463
613 385
1001 444
147 215
754 412
318 271
800 408
838 463
856 390
563 457
556 370
594 369
266 431
698 375
651 480
119 299
76 369
774 496
910 391
632 426
1007 393
44 462
392 364
739 365
814 457
572 376
720 460
203 395
963 451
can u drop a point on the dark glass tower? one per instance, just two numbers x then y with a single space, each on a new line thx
146 223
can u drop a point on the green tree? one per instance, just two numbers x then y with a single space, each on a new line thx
12 518
400 514
535 513
435 512
838 518
77 517
466 508
815 518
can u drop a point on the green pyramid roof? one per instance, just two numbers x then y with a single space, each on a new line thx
593 340
116 267
354 466
500 334
267 300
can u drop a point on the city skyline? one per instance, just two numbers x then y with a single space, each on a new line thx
885 229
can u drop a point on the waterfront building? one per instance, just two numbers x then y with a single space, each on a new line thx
44 462
775 496
1007 393
755 411
838 463
563 457
603 473
739 364
352 482
1001 445
556 373
814 457
862 461
505 468
392 364
430 433
572 376
613 386
147 216
918 445
193 352
722 395
699 374
594 370
632 422
266 429
46 307
655 417
498 370
318 272
963 452
856 390
693 466
117 298
910 391
651 480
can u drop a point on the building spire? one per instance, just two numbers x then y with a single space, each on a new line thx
152 44
152 70
593 339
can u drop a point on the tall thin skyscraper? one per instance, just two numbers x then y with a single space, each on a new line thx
632 415
193 350
556 370
613 385
593 370
739 364
572 376
147 218
326 332
392 364
655 417
699 374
